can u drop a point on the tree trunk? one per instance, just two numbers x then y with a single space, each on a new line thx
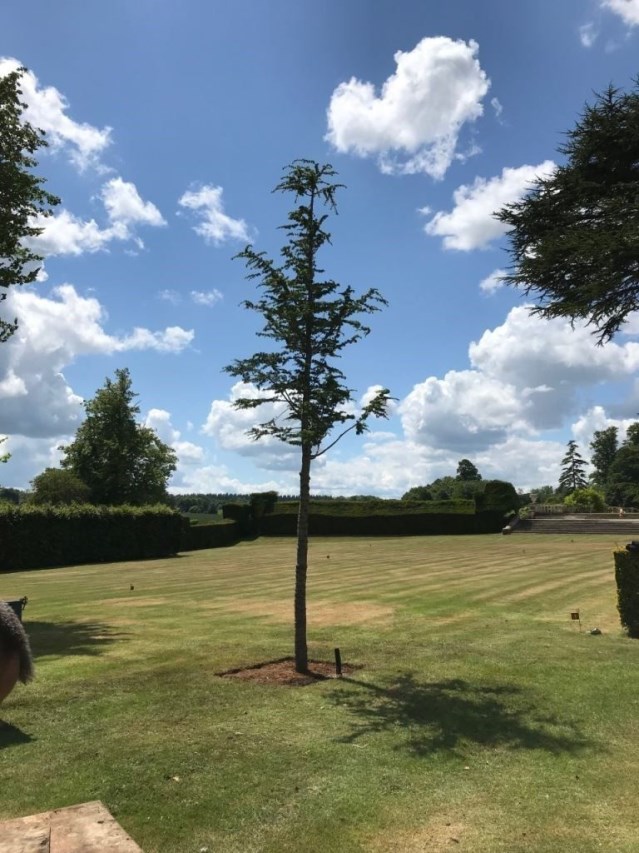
301 566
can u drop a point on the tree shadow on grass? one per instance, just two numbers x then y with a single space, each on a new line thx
448 715
71 638
12 735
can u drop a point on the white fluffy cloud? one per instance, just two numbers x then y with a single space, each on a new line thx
531 351
169 295
392 467
124 204
413 124
596 419
525 376
172 339
628 10
66 234
466 411
160 421
188 453
217 479
492 283
53 332
471 224
206 297
229 426
496 104
47 109
30 456
548 363
588 34
215 226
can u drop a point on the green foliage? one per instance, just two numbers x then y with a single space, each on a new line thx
208 535
13 496
447 488
574 240
604 447
386 524
627 578
119 460
22 197
262 503
467 471
33 537
459 673
418 493
240 513
205 502
467 485
58 486
572 472
201 507
248 515
378 506
585 500
311 320
623 477
545 495
632 436
378 517
498 496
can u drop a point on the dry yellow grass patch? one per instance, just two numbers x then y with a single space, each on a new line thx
318 612
437 836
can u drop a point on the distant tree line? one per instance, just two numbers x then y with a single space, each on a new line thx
113 459
616 466
468 484
613 481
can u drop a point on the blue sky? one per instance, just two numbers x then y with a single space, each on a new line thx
169 125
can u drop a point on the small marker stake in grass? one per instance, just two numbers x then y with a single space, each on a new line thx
574 615
338 662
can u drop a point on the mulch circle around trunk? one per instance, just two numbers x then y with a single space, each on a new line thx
283 672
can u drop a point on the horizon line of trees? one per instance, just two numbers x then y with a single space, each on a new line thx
613 481
113 459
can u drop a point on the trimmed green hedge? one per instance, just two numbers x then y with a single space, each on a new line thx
240 513
380 507
195 538
33 537
627 577
408 524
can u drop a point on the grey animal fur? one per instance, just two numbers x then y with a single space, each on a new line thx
13 638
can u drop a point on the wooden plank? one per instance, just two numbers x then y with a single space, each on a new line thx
25 835
84 828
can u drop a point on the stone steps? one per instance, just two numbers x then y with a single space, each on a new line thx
628 529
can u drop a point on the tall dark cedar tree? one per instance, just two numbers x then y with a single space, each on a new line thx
311 320
117 458
22 197
574 243
572 470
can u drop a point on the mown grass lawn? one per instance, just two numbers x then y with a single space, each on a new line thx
481 719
